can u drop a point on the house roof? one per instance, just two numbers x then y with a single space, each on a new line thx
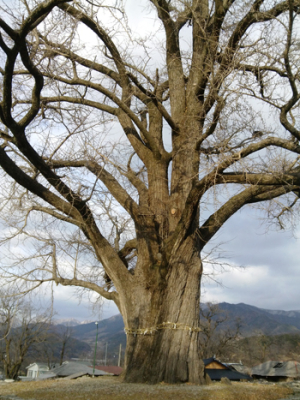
208 361
110 368
76 375
70 368
47 375
278 368
40 365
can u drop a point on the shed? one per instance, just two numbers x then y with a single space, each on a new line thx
36 369
277 370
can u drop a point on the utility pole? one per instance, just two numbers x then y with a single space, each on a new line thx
106 354
96 323
120 352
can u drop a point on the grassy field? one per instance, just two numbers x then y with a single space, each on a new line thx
111 388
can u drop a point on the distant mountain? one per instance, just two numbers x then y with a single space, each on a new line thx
69 322
49 348
254 321
110 336
106 328
286 317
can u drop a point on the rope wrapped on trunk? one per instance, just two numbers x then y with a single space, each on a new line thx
164 325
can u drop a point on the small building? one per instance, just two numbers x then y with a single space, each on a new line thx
277 371
217 370
36 369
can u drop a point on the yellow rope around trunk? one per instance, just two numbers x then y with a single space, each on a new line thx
164 325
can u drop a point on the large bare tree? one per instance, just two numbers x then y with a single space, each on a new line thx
168 133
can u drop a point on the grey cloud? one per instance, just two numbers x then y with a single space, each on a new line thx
271 276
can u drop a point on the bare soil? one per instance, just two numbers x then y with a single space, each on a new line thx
112 388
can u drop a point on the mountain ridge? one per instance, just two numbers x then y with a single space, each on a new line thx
254 320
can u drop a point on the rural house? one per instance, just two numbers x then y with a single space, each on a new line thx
217 370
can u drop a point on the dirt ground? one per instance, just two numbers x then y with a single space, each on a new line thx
111 388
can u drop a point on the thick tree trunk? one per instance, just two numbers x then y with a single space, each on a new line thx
162 326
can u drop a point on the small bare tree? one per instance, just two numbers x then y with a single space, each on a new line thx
216 338
65 335
21 327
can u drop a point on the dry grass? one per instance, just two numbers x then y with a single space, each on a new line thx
111 388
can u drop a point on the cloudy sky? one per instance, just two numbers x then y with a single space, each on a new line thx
269 273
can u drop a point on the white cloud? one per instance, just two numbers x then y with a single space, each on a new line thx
67 304
271 260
